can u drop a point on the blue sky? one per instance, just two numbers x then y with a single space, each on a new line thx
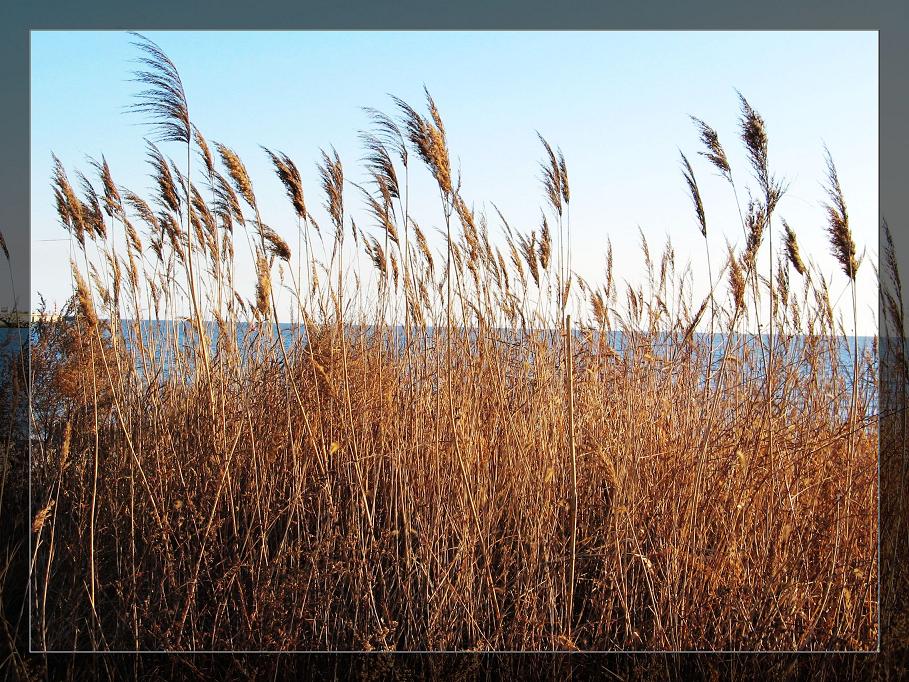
617 103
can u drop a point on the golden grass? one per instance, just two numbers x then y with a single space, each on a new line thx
471 480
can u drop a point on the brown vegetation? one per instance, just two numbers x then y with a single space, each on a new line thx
469 480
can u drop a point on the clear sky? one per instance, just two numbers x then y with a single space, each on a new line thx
617 103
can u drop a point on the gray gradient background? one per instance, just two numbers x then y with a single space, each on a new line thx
890 17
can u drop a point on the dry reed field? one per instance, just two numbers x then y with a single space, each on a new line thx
479 451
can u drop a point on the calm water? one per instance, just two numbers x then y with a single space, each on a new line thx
159 335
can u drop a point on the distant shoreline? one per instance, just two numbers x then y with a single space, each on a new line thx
22 320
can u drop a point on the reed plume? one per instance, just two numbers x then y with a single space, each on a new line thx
792 250
838 229
91 210
378 160
382 213
42 516
563 179
423 245
428 139
163 100
377 255
755 220
551 177
132 236
275 243
237 172
263 286
736 280
69 208
695 194
545 244
754 135
142 209
332 174
289 175
164 179
226 203
714 150
113 204
84 297
204 152
388 133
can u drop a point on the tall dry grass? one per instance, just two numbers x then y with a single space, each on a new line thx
473 479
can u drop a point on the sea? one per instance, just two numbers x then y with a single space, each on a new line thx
159 335
11 338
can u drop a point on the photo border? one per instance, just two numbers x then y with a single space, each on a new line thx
890 19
